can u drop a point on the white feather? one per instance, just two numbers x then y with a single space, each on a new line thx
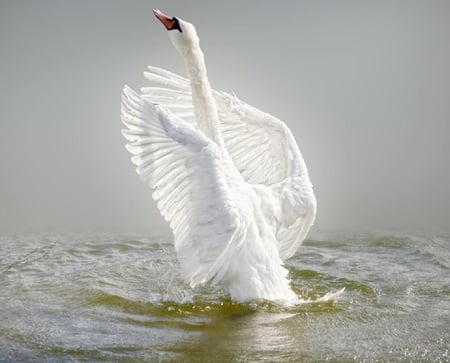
228 178
261 146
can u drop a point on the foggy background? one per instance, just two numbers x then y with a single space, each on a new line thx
364 86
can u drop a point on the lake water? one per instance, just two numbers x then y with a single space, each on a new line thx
107 297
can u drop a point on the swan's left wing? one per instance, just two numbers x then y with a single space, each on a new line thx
186 172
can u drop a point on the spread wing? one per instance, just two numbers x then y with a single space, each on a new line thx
186 172
262 147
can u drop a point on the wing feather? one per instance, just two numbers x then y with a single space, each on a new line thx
184 170
261 146
241 125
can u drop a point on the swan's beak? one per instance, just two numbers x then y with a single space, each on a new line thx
169 23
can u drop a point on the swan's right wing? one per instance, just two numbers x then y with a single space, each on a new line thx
261 146
186 172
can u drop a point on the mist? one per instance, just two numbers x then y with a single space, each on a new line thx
363 85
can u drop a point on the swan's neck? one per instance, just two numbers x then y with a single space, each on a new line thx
202 97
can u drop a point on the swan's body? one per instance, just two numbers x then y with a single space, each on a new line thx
229 179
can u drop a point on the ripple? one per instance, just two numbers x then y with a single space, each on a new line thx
110 297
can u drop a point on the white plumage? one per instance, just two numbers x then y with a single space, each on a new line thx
228 178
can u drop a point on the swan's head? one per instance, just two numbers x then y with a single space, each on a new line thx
181 33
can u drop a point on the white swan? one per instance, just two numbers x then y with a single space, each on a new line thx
228 178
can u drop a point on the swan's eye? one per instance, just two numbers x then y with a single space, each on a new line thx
176 25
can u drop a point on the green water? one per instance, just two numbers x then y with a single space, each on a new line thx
114 298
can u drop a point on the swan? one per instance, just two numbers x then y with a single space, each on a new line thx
228 178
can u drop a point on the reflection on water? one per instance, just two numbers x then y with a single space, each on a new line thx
255 335
112 298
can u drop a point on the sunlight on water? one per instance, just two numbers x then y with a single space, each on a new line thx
121 297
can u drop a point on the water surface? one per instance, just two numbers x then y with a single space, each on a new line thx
106 297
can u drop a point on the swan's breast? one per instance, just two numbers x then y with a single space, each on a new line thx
268 205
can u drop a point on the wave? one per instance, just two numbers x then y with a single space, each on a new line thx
119 297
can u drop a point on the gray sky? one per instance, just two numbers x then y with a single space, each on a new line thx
364 85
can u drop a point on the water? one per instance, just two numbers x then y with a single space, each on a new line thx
102 297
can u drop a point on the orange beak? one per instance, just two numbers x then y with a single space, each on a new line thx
163 18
